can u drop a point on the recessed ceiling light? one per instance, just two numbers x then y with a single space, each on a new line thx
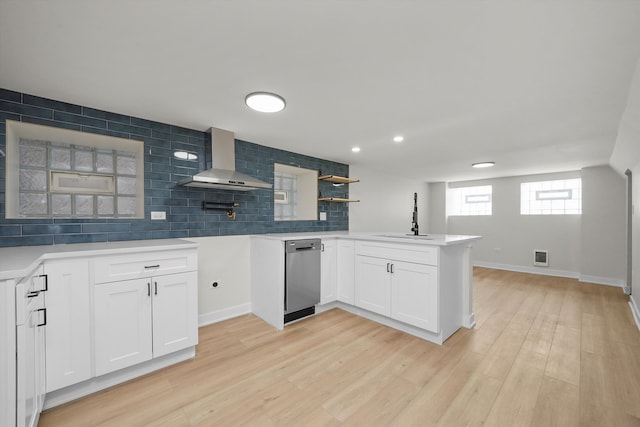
356 149
483 164
398 138
265 102
184 155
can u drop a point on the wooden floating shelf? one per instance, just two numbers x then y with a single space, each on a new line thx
337 199
337 179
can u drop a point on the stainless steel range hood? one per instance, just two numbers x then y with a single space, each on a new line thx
222 174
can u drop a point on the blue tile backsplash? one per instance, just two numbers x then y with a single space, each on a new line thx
183 205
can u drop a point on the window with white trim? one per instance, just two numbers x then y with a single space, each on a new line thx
558 197
466 201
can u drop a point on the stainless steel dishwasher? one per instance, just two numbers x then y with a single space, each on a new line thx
302 278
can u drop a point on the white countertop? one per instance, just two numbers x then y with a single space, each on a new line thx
17 262
428 239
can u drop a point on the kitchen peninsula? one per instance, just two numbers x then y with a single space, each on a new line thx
421 285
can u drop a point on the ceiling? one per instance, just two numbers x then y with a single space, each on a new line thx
536 86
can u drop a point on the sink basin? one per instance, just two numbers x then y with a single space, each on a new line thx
407 236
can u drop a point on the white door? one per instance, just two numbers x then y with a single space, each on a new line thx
328 285
345 271
175 312
414 294
69 323
373 282
122 330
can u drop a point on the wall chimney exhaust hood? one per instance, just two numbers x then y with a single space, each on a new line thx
222 174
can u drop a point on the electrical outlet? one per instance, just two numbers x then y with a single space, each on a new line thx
158 215
323 216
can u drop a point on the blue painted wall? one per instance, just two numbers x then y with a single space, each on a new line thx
185 217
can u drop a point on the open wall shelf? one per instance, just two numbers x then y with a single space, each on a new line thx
337 179
337 199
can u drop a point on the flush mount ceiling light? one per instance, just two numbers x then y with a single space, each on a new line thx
265 102
483 165
398 138
184 155
356 149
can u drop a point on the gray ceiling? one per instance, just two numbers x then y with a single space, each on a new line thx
536 86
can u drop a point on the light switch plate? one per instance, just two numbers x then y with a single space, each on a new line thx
323 216
158 215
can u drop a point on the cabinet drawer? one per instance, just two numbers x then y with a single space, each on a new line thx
409 253
133 266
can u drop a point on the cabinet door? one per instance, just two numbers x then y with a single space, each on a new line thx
41 357
30 363
175 312
373 285
345 271
328 284
122 330
69 323
414 294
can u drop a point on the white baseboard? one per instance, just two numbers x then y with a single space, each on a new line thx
525 269
602 281
224 314
635 311
550 272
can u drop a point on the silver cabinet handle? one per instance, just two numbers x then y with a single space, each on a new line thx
388 264
155 288
391 268
148 289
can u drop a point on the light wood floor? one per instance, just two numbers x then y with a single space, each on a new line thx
545 352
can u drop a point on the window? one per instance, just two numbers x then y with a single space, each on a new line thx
560 197
465 201
58 173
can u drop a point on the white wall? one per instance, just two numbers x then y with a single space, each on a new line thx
386 202
626 155
226 260
509 238
437 208
604 240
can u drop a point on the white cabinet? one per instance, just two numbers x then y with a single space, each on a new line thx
414 294
328 283
402 289
123 328
31 320
68 339
136 320
373 284
345 271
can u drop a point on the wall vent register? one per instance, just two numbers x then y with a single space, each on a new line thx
541 258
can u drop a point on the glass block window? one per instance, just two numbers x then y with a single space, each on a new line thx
466 201
559 197
285 207
57 173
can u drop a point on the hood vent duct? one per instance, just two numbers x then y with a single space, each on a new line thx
222 174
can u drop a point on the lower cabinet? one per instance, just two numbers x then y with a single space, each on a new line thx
68 303
136 320
345 271
404 291
328 285
31 320
373 285
414 295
